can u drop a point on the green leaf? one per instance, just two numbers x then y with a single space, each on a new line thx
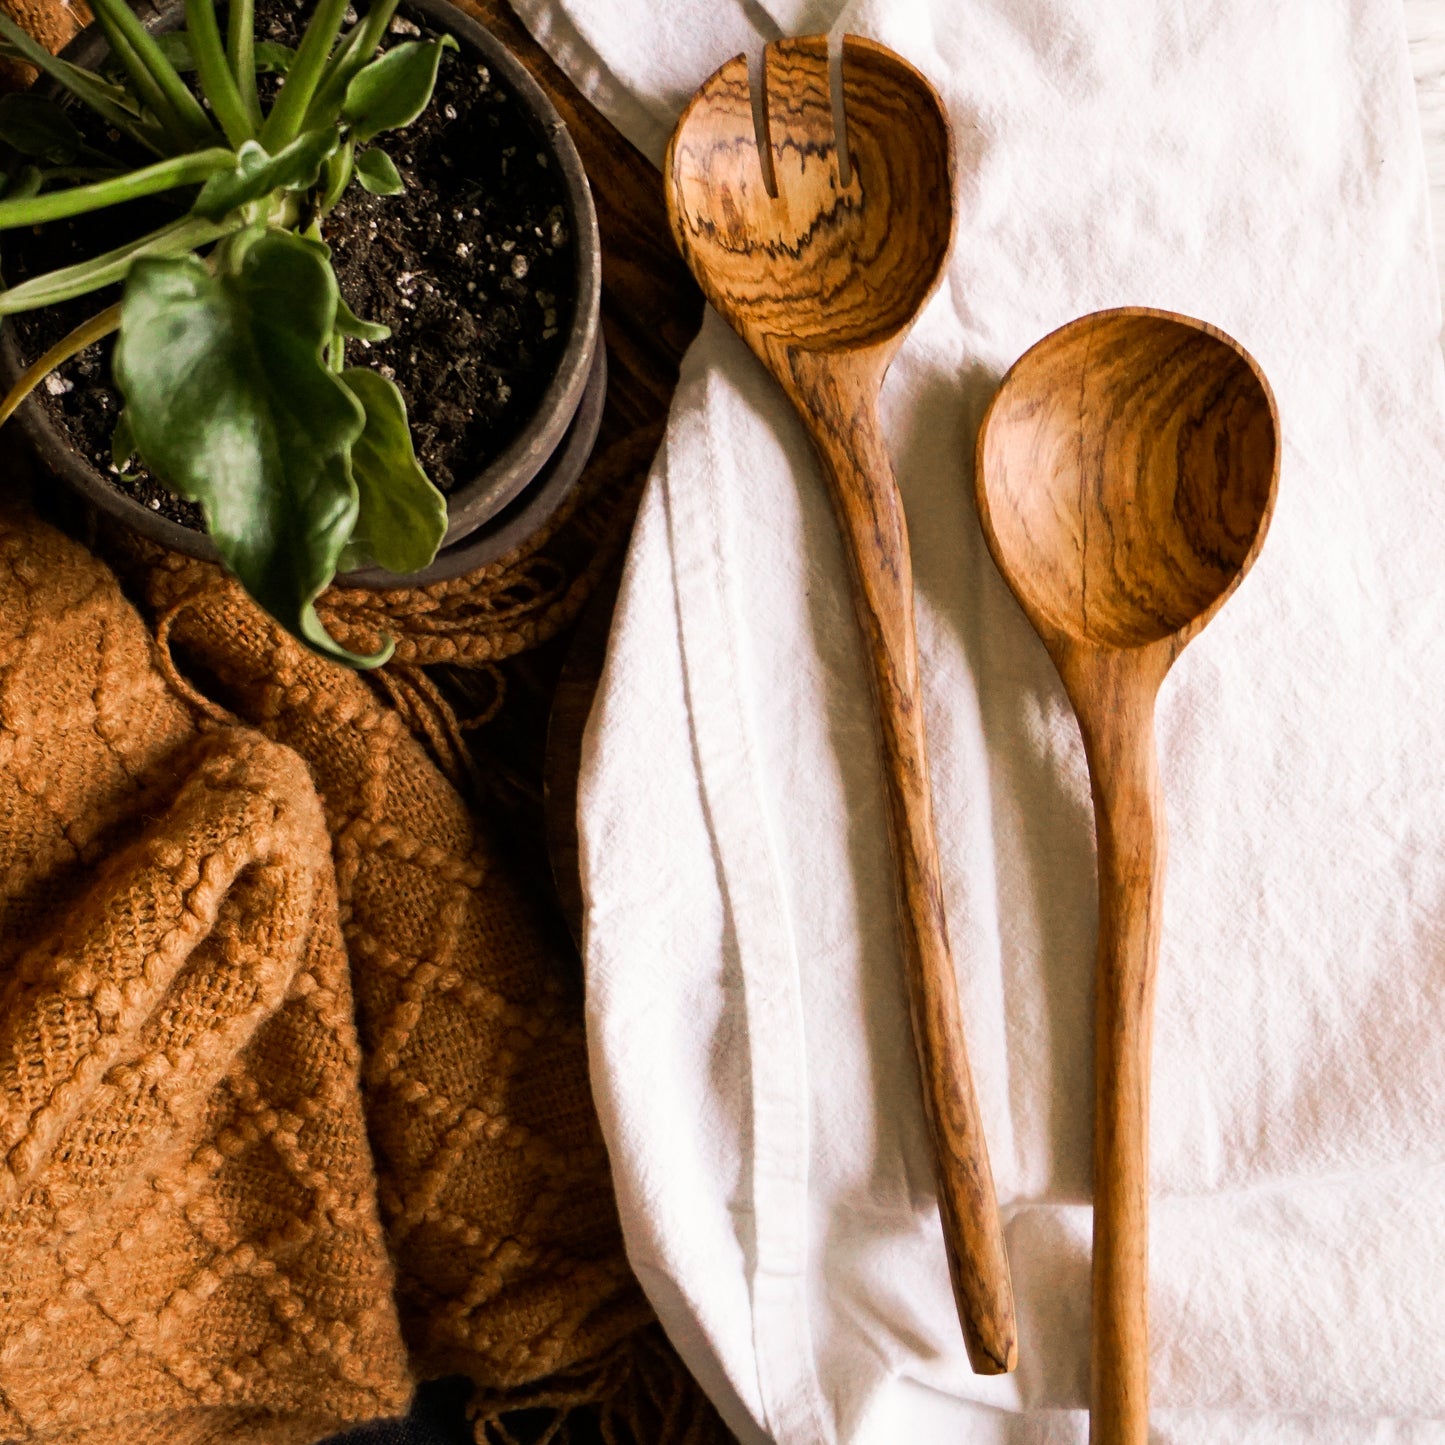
353 50
176 46
317 245
403 518
338 175
167 175
272 56
257 174
231 403
109 268
122 443
39 128
348 323
393 90
378 174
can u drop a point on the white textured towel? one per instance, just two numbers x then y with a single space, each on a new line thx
1259 166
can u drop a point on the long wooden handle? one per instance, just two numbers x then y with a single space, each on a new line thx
846 431
1129 820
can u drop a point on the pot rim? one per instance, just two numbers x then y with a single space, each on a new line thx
487 493
525 515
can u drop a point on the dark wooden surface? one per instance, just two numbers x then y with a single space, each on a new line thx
651 310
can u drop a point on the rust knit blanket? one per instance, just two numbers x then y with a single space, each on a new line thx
293 1103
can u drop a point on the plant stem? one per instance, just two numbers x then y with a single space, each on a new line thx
112 266
241 52
186 107
147 91
335 356
86 334
217 83
147 181
283 125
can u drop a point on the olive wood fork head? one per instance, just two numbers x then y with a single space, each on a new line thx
799 259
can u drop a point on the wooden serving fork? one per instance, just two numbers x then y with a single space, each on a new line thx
823 277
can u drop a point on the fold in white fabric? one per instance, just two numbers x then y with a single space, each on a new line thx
1257 166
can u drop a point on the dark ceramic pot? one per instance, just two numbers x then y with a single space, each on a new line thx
499 508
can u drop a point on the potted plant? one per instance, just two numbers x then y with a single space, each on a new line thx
236 380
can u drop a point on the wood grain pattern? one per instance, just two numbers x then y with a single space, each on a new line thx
822 277
1126 475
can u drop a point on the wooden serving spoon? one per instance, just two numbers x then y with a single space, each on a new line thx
822 279
1126 476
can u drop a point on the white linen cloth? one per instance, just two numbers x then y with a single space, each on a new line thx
1259 166
1425 24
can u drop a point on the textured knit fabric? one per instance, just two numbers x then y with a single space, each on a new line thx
189 1241
293 1102
491 1175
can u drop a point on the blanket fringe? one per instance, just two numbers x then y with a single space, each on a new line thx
638 1393
433 720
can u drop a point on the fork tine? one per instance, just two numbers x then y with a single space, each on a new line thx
800 108
874 75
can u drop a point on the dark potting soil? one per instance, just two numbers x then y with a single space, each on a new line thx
471 267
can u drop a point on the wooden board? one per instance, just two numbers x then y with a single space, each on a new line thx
651 310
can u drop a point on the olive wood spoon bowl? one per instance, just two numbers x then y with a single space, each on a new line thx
822 279
1126 474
